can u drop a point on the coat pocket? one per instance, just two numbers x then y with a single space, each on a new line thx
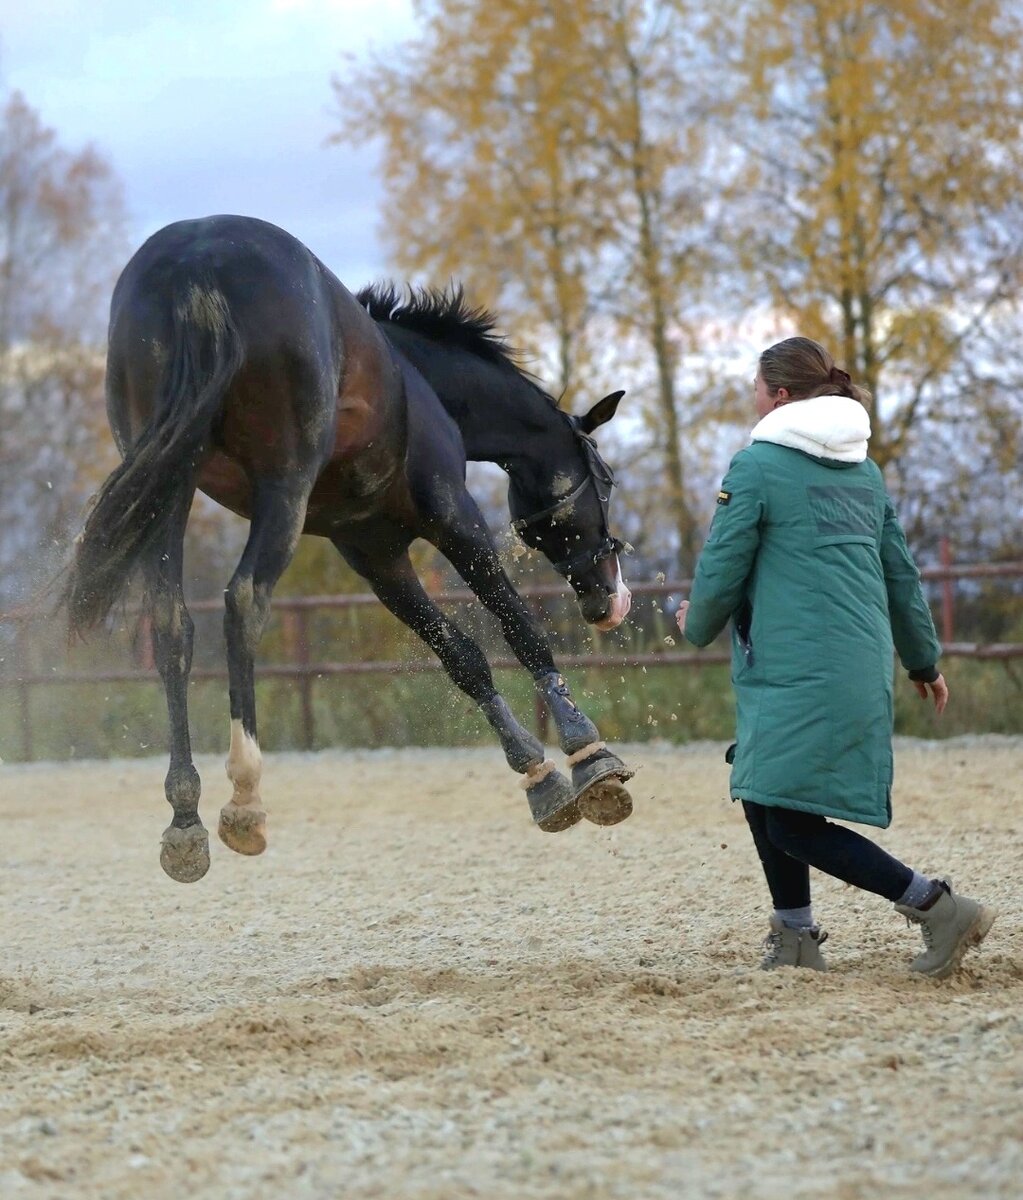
844 539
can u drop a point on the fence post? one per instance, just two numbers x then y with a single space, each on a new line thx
21 669
298 635
947 616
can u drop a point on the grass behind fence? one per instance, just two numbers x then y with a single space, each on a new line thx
672 703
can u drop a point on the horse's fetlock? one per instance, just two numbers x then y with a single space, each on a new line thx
522 753
521 748
183 788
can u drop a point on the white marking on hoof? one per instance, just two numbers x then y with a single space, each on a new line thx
585 753
185 853
244 766
242 828
243 820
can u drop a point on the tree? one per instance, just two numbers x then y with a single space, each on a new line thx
61 222
876 199
548 154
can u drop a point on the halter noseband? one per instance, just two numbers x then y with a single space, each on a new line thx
599 473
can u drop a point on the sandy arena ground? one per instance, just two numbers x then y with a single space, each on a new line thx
414 993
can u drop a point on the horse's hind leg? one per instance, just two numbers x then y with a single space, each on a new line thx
184 853
277 518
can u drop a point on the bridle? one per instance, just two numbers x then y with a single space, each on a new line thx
602 478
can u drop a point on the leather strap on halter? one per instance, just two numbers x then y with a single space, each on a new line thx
523 523
599 474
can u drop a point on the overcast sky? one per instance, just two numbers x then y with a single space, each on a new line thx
207 106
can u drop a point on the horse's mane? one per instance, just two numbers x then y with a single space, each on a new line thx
441 315
445 316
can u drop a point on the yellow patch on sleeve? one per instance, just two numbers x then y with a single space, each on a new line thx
724 497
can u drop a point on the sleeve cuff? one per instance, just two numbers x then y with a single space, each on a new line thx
924 674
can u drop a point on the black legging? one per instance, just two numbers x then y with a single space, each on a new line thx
790 842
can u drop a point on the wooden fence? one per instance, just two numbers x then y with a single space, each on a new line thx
295 613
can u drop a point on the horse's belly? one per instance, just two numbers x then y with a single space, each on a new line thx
350 492
344 493
224 480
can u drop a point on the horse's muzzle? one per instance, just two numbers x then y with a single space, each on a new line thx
618 608
605 609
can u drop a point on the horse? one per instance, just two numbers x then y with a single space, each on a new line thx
238 364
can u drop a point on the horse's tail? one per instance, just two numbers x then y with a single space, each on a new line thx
130 514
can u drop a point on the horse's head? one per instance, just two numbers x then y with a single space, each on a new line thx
561 509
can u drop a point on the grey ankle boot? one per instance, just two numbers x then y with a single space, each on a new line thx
787 947
950 926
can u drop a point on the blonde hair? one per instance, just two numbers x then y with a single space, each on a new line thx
806 369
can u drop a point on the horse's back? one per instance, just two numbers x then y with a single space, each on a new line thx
317 383
254 266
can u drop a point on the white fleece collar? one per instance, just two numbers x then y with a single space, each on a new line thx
825 426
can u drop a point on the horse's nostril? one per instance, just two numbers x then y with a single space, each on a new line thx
595 606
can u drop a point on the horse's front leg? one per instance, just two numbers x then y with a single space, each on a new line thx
551 797
598 774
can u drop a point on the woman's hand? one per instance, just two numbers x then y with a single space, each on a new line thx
680 616
938 689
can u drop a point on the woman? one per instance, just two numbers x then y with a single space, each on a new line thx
807 558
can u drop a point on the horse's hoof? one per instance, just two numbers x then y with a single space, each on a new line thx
597 785
552 803
606 802
185 853
243 828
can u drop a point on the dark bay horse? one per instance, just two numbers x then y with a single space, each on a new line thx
238 364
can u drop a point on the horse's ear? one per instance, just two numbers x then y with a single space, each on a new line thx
600 413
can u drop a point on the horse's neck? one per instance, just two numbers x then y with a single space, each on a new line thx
504 424
498 412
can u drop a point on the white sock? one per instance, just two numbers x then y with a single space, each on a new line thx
796 918
920 889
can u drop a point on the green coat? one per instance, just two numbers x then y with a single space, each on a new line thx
807 558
